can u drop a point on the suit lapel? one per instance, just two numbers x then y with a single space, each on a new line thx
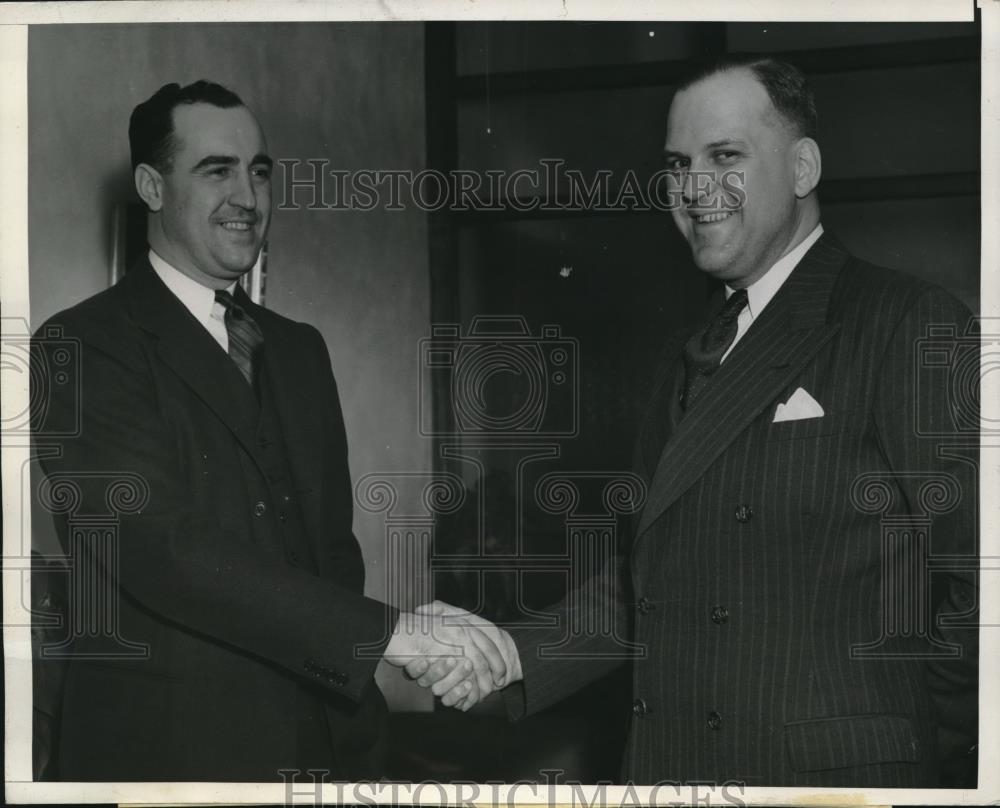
190 351
295 405
773 352
299 415
661 419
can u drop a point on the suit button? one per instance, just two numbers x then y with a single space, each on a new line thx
645 605
259 508
640 708
714 720
743 513
720 614
286 499
282 517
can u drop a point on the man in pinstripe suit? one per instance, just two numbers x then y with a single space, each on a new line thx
802 465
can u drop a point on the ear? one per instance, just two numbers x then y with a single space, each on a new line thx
149 185
808 166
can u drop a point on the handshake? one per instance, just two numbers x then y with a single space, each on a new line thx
461 657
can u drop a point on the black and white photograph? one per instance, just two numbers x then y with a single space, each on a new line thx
440 405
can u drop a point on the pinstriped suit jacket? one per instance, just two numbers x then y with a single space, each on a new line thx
791 580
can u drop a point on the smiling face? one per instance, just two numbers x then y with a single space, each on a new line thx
740 166
212 206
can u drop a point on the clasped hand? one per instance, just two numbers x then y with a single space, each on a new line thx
461 657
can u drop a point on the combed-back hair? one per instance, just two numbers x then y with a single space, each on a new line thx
151 127
785 84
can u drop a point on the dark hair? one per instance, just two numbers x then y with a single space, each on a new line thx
785 84
151 127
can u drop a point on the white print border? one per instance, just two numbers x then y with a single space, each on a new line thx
13 293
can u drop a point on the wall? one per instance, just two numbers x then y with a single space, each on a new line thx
350 93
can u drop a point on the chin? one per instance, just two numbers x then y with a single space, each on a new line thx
238 265
717 266
237 272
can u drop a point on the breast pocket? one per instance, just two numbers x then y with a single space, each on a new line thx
830 423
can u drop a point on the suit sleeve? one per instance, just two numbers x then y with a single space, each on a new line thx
174 558
926 418
344 551
559 660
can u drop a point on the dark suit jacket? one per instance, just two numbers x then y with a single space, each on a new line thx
236 566
782 595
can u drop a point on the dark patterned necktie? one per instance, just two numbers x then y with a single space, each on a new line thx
704 351
245 336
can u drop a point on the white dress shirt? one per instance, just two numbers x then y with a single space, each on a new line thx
197 299
759 294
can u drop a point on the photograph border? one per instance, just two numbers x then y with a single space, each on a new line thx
16 17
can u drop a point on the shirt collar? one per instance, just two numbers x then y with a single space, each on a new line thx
197 299
759 294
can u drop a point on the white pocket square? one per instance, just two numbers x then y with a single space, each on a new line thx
801 405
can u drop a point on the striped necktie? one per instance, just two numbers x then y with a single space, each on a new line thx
704 351
245 336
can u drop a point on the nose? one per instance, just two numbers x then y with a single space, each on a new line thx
243 194
698 187
687 189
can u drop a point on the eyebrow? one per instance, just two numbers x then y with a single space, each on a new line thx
715 144
229 160
216 160
727 142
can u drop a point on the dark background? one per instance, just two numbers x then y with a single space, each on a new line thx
899 133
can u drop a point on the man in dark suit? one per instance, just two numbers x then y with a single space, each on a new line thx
806 471
225 634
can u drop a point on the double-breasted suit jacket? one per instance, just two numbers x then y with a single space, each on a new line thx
232 562
803 590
